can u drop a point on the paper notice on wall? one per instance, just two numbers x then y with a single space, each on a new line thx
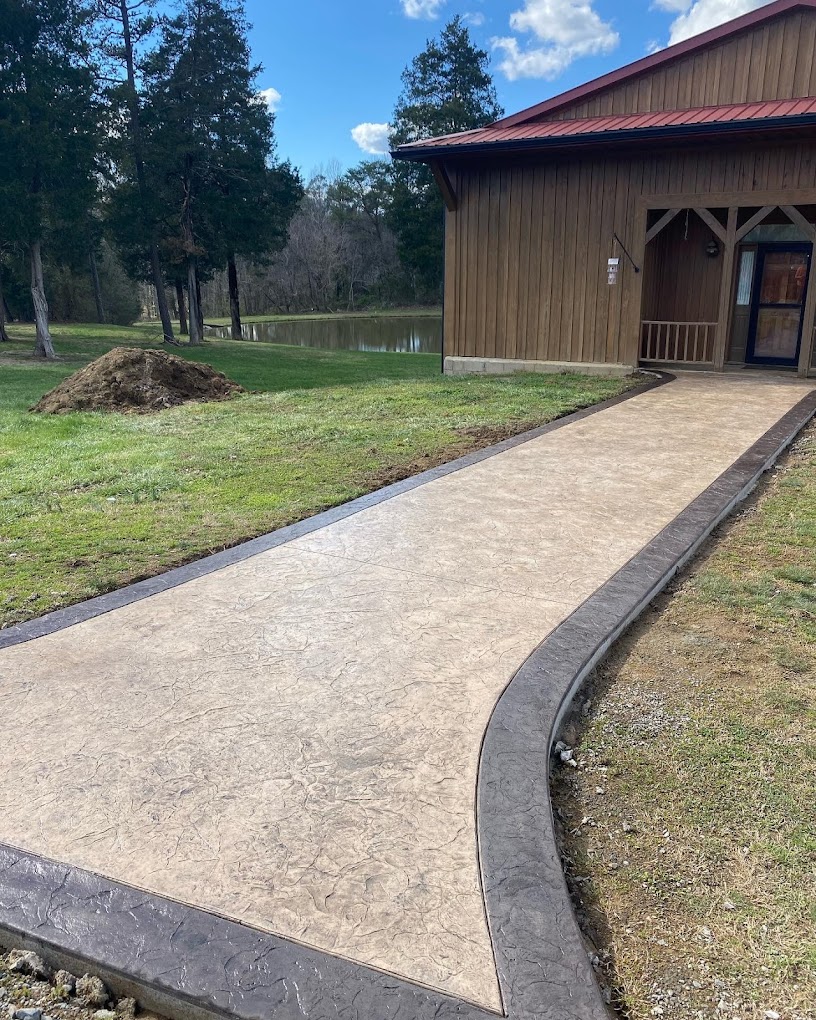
612 267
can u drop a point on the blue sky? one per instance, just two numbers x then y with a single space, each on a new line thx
335 65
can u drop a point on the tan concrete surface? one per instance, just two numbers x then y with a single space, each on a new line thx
293 741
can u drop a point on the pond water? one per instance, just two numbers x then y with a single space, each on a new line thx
416 334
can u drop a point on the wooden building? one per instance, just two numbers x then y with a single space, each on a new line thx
660 215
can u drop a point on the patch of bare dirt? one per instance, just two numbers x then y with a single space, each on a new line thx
477 437
130 379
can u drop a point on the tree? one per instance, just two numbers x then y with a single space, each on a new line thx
124 26
4 337
446 88
256 205
49 126
210 140
360 201
73 296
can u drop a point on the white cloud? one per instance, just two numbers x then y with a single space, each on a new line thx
700 15
372 138
422 8
569 29
475 18
271 97
677 6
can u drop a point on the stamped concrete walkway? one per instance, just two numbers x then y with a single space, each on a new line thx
293 740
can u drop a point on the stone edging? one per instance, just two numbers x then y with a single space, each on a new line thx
191 963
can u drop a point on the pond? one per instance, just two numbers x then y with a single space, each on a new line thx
415 334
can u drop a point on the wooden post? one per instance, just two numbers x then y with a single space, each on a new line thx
629 351
726 281
808 317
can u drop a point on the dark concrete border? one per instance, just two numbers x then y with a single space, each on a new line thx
193 963
535 934
62 618
189 962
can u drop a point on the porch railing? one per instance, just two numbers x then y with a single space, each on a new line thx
678 342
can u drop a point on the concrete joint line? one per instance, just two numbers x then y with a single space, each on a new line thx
189 962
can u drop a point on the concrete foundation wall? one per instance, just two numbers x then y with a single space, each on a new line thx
506 366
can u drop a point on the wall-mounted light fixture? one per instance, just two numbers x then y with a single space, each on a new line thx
712 248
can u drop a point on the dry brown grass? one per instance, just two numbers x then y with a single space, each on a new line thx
689 827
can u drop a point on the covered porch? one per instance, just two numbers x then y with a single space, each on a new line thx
726 281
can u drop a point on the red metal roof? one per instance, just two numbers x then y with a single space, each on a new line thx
603 129
622 74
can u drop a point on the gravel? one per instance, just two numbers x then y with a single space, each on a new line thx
29 991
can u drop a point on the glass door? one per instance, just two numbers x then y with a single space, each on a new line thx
780 286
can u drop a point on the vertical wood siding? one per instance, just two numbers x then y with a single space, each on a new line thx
681 282
773 61
527 249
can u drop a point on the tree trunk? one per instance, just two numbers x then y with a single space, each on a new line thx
182 310
195 321
136 141
161 295
199 306
234 299
97 290
4 337
44 347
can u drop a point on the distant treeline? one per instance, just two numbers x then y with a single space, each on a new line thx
136 148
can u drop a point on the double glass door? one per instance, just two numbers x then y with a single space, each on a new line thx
780 287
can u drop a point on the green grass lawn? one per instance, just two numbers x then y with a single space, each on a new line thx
90 502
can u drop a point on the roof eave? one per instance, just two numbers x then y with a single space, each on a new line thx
725 129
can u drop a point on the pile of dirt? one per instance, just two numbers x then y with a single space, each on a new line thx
132 379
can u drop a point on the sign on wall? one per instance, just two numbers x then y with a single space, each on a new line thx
612 268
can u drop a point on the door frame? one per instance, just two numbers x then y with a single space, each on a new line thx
805 248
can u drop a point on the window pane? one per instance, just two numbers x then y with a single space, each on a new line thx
777 332
783 278
746 277
775 232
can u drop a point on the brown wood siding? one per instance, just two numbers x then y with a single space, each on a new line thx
681 283
527 249
773 61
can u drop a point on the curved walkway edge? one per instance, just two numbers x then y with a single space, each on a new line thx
189 962
528 905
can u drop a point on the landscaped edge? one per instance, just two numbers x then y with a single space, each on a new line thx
60 619
194 963
535 934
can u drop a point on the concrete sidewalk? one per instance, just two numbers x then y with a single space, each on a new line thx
293 741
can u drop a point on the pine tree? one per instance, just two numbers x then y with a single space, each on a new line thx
210 145
446 88
49 131
123 27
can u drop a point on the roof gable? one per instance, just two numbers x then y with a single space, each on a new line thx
615 79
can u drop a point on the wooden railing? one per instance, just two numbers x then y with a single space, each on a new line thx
678 342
